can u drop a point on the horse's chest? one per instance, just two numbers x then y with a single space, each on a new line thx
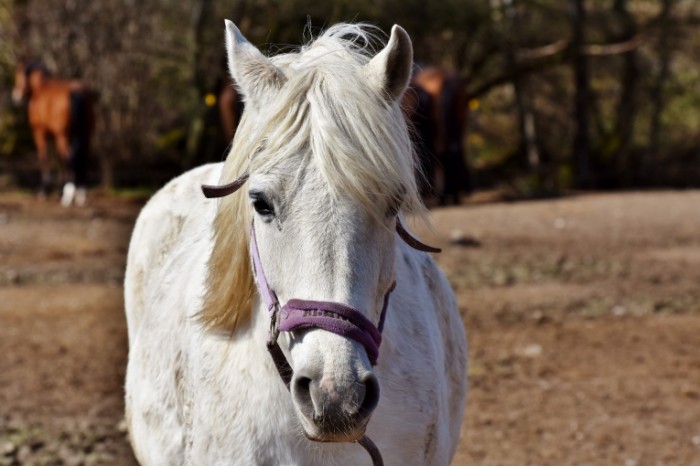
50 113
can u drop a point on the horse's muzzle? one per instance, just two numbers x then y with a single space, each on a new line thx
17 98
333 414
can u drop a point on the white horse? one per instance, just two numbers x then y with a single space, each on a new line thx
330 169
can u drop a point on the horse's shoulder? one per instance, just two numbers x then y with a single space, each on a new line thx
49 99
419 267
170 220
445 313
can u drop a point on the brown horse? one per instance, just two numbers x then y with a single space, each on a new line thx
61 110
230 110
437 104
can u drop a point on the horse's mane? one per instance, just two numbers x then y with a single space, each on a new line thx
326 112
36 65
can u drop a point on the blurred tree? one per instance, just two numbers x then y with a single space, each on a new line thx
661 69
582 91
627 101
529 152
582 95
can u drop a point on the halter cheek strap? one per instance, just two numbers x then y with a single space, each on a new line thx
211 191
411 240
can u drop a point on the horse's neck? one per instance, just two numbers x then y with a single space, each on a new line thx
47 83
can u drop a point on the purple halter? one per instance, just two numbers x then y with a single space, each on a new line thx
300 314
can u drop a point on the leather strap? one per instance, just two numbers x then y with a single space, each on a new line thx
211 191
269 297
411 240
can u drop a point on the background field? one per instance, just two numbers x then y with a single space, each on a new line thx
583 315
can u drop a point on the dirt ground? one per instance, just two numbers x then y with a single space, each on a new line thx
583 315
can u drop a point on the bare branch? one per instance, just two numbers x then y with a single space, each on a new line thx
613 49
542 52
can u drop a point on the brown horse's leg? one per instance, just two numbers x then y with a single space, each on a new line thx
44 166
67 175
63 149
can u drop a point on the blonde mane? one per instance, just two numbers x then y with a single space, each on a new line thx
326 113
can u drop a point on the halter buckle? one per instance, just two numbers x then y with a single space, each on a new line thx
274 332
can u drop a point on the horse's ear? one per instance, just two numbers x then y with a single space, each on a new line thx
252 71
390 69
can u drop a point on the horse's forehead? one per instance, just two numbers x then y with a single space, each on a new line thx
315 192
308 197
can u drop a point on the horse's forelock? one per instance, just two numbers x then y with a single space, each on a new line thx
358 140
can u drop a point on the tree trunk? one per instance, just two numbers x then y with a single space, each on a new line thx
195 134
657 93
529 150
582 94
507 17
626 106
104 147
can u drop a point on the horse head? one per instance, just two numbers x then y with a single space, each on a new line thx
330 168
28 76
21 87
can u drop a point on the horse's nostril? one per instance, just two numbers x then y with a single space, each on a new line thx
301 391
371 395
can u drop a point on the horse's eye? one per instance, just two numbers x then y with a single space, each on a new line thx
263 208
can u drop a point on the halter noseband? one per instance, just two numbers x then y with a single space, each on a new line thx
334 317
299 314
